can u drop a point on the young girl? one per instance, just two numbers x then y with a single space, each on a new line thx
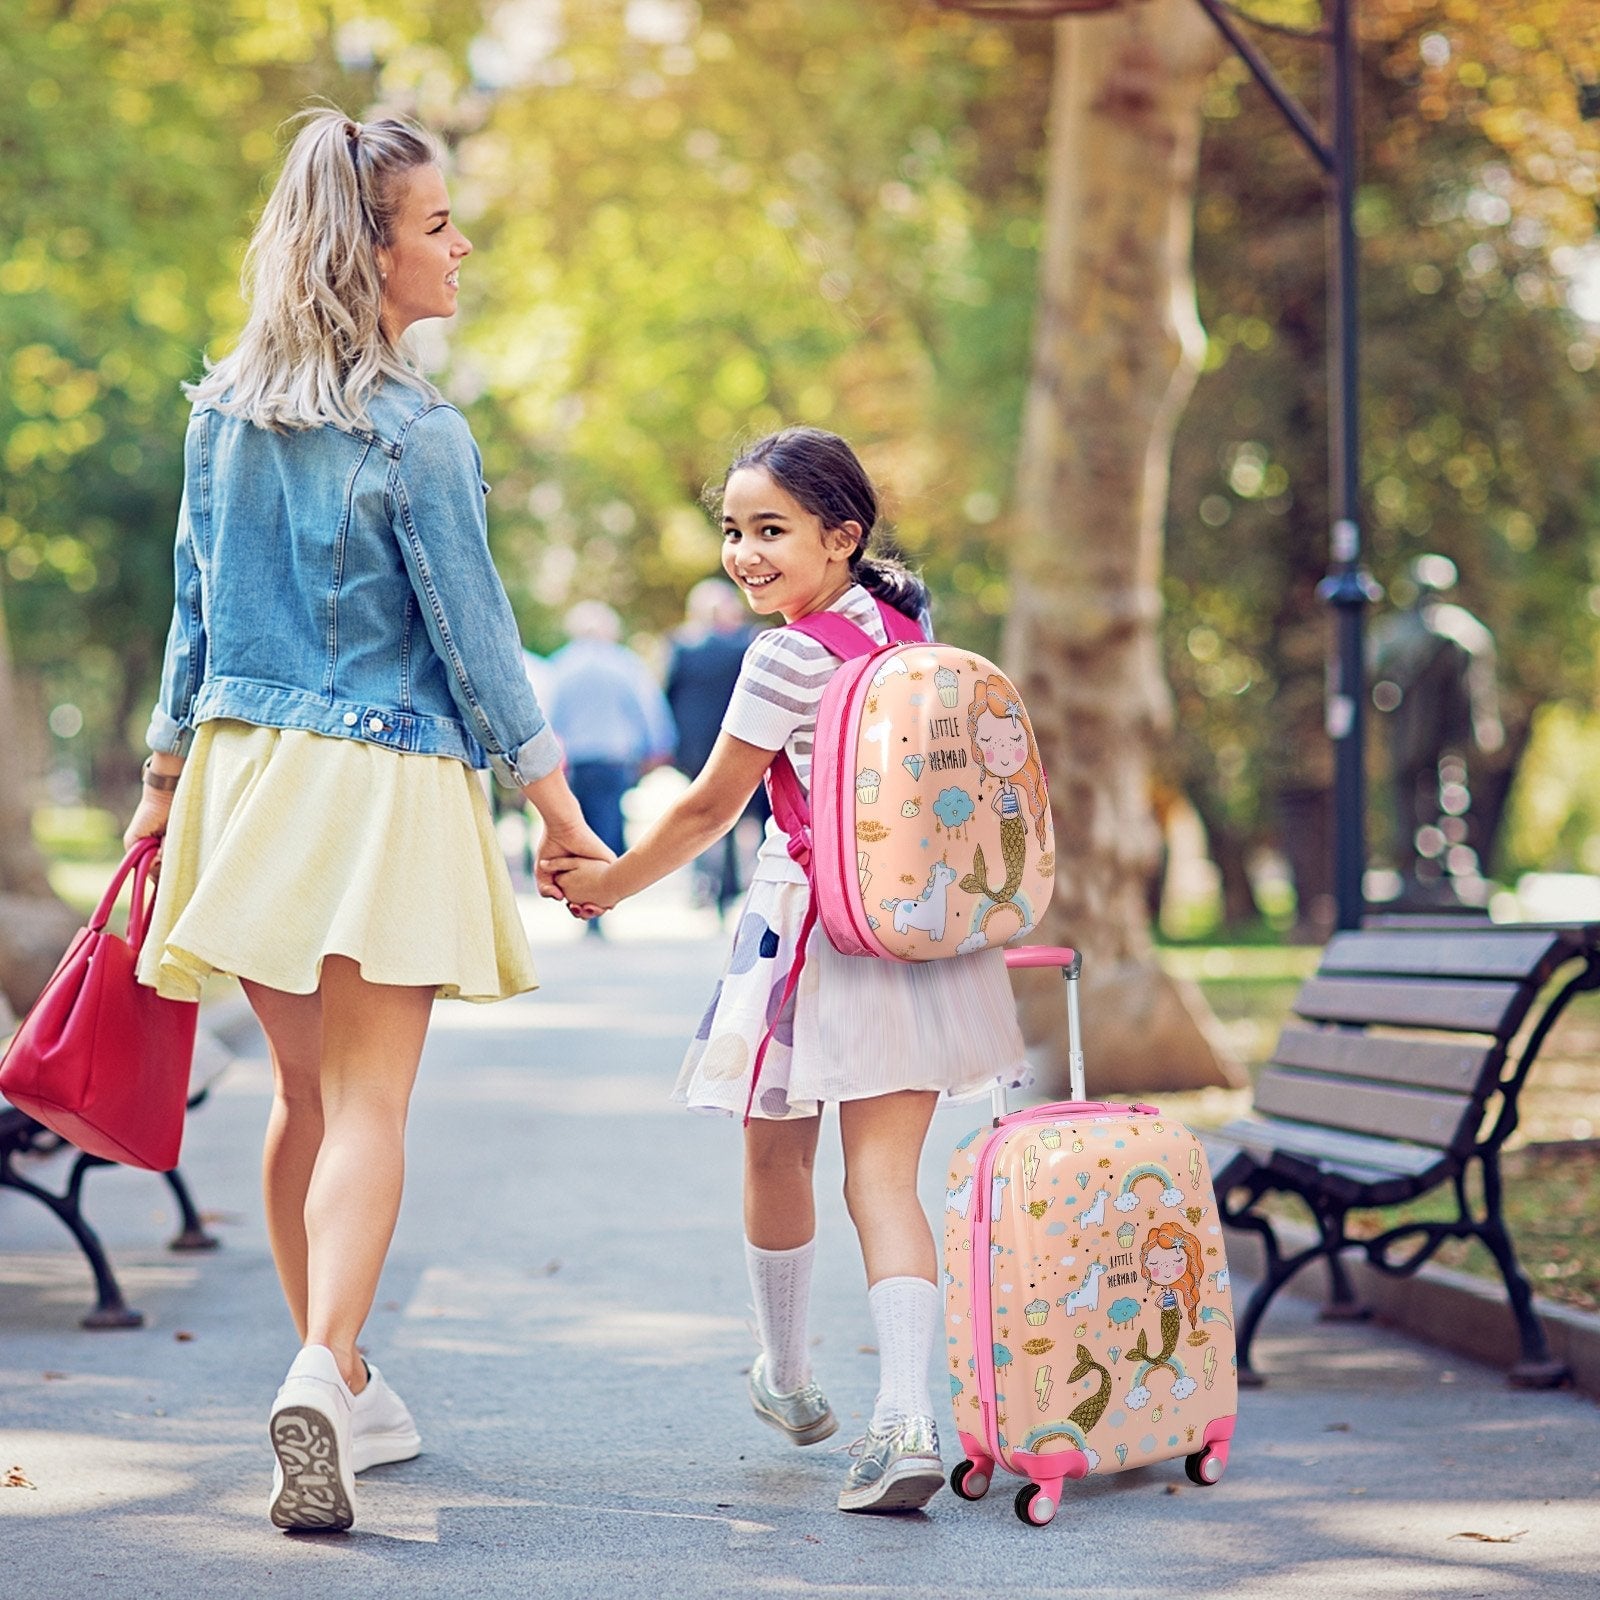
881 1038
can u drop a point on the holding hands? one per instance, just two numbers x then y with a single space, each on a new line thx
584 884
566 841
592 880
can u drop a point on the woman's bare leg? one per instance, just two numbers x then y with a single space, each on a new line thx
293 1026
371 1038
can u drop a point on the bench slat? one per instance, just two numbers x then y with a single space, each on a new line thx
1436 954
1383 1158
1421 1063
1413 1003
1348 1106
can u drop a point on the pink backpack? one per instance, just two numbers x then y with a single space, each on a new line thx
927 832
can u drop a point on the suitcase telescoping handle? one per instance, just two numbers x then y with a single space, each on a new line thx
1071 964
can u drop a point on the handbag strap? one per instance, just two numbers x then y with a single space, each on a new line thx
141 855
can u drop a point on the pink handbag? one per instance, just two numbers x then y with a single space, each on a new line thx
100 1059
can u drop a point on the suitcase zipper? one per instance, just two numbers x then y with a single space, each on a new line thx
982 1298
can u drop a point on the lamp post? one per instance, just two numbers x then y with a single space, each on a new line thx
1347 588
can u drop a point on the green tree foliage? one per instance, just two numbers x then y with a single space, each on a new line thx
703 222
134 136
696 221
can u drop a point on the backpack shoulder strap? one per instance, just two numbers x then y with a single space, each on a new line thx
847 640
836 634
899 628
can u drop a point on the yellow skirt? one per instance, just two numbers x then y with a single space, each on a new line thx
285 847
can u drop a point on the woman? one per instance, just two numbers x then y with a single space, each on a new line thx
342 654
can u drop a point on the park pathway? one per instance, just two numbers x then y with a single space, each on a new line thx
564 1309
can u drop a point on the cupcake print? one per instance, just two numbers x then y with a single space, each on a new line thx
867 782
948 685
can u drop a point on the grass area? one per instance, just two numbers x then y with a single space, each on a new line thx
1551 1167
1552 1196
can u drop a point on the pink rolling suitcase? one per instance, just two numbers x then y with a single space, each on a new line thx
1088 1320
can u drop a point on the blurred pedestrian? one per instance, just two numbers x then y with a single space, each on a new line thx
341 656
610 715
707 653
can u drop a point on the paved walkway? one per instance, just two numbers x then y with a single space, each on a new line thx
565 1311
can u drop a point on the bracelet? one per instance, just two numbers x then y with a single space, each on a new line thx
161 781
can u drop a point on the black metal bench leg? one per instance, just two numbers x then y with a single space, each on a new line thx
1536 1368
1279 1270
1342 1304
110 1310
192 1235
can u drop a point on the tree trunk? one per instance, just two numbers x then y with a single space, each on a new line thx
35 927
1230 854
1116 350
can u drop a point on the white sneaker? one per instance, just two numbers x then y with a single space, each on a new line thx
381 1429
313 1486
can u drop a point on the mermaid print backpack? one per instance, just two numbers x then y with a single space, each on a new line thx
927 831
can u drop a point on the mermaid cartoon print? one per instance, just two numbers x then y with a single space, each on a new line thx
1003 747
1171 1264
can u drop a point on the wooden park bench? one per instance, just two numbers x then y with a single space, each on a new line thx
22 1136
1400 1074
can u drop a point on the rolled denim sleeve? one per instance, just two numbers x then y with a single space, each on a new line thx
183 667
437 510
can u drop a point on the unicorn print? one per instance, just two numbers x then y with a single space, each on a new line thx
930 911
1087 1296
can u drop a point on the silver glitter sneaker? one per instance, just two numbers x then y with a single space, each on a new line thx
897 1467
804 1417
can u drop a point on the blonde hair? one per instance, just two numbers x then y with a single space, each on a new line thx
313 350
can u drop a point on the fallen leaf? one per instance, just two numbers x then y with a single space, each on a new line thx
16 1478
1336 1427
1172 1488
52 1377
1492 1538
866 1349
183 1337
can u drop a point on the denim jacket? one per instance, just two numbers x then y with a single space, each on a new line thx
340 582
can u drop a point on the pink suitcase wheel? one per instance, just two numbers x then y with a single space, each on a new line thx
1036 1505
970 1479
1206 1466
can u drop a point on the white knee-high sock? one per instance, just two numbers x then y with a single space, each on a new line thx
780 1281
906 1313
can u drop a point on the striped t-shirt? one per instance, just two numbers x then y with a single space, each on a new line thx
774 705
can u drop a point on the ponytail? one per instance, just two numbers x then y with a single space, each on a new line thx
892 581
